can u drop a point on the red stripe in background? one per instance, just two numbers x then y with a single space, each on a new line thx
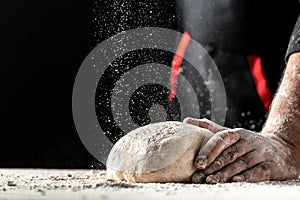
260 80
176 63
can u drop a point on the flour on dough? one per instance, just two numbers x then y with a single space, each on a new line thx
158 152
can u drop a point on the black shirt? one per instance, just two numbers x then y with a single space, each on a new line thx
294 45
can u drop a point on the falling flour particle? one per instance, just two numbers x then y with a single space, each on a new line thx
158 152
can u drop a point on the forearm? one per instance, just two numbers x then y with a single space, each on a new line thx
284 116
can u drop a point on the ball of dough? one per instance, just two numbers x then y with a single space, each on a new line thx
158 152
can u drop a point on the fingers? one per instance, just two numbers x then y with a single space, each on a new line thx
215 146
261 172
230 155
204 123
241 164
242 155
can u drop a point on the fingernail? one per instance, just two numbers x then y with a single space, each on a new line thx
238 178
201 162
188 120
213 179
198 178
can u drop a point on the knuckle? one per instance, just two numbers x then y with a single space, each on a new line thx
215 166
227 157
223 177
254 139
219 140
231 155
219 162
224 135
244 162
228 136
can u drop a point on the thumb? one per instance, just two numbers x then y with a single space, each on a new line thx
205 123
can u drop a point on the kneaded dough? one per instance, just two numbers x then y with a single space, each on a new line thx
158 152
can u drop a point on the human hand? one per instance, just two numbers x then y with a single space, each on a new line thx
241 155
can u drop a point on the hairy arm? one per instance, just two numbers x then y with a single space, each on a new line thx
284 116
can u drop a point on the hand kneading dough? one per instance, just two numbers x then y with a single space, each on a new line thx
159 152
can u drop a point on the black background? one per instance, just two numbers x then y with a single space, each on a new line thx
43 44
